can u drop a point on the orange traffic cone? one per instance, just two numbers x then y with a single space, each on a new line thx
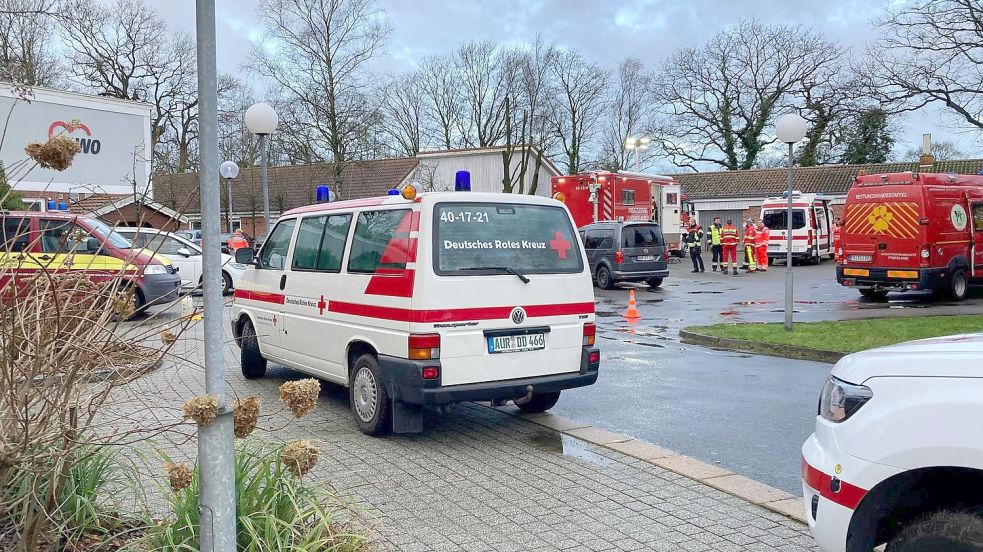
632 312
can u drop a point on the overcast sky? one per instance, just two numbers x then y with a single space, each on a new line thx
606 31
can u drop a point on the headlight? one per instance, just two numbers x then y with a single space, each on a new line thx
238 266
155 269
839 399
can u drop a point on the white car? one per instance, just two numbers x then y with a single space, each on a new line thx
184 254
897 456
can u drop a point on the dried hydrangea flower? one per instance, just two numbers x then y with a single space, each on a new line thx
300 396
203 410
245 416
299 456
168 337
57 153
178 475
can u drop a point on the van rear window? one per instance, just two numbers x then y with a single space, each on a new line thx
641 235
483 238
776 220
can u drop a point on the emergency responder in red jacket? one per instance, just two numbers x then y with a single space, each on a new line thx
728 242
761 237
749 264
837 228
237 241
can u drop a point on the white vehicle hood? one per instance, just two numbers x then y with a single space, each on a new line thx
953 356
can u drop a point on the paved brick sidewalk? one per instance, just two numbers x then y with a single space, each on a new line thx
481 479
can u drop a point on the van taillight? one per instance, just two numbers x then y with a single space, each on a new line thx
810 237
619 257
590 332
423 347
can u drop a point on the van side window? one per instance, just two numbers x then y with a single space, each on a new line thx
978 217
62 236
599 239
274 252
308 242
16 234
333 244
627 197
374 246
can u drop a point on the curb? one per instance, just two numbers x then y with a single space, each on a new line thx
745 488
757 347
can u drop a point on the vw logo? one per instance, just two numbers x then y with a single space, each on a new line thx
645 251
518 315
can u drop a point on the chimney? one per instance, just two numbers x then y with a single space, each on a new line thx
927 160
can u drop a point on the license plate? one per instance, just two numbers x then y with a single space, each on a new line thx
516 343
861 258
645 258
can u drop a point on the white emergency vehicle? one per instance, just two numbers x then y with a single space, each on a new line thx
426 300
812 226
897 456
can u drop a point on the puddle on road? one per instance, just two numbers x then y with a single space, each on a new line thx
783 310
566 445
749 303
703 291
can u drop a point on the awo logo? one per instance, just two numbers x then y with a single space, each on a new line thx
87 143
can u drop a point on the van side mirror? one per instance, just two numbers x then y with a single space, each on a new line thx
93 245
184 252
245 255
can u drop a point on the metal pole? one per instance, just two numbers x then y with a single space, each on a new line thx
788 245
636 159
266 184
217 498
228 206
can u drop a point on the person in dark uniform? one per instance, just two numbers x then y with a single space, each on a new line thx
694 239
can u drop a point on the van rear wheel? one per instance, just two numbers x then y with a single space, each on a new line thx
368 397
604 278
958 285
949 531
252 361
540 402
654 282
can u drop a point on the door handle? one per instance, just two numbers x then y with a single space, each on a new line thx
45 257
283 282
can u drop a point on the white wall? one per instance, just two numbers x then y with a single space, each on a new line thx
486 168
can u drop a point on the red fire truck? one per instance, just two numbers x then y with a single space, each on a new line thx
597 196
911 231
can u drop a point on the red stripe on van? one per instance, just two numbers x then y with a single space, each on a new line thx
259 296
456 315
849 495
391 283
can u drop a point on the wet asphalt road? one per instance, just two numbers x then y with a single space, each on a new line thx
747 413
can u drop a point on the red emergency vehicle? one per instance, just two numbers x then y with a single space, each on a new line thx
622 196
911 231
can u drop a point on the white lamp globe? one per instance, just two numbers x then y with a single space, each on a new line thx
228 169
791 128
261 118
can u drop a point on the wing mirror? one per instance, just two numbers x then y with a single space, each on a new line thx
93 245
246 255
184 252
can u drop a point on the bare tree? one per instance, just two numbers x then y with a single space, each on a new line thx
487 82
578 103
235 142
630 114
931 52
317 52
404 113
427 176
440 86
26 53
942 150
528 131
720 98
831 103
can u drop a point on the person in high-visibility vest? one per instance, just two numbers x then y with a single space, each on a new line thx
761 237
837 228
749 264
237 241
716 249
693 240
728 240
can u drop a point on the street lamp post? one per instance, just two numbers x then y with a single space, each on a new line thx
790 129
262 120
637 144
229 170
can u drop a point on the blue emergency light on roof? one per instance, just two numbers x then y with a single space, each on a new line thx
62 206
322 194
394 191
462 181
52 205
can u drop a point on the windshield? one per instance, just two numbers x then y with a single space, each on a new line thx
529 239
641 235
114 238
775 220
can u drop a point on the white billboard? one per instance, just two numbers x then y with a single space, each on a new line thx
114 137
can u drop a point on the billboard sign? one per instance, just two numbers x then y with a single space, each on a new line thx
113 137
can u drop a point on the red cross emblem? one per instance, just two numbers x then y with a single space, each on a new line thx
321 305
560 245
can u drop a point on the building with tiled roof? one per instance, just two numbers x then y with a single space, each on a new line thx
125 210
738 194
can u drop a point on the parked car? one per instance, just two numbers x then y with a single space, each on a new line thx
423 302
194 235
65 242
897 455
185 255
625 252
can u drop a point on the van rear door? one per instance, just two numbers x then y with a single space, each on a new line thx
509 291
881 226
644 247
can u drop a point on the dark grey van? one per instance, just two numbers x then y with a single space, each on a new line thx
625 252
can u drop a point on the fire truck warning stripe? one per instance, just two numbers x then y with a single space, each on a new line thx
849 495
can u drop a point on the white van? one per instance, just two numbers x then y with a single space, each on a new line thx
423 301
812 227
